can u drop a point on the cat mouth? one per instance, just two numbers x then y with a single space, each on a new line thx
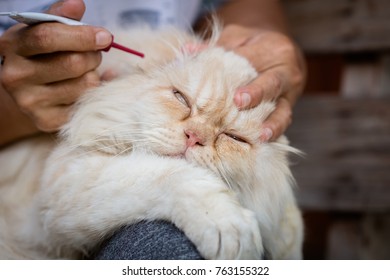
181 155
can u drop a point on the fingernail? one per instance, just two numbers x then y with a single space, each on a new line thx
58 6
245 99
103 39
266 135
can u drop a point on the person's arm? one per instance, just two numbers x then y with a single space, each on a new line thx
46 68
257 30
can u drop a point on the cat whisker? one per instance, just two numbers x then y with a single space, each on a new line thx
224 174
96 148
224 177
103 136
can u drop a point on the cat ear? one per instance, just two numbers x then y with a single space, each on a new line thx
187 49
194 48
207 40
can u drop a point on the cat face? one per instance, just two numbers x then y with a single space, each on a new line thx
197 119
181 109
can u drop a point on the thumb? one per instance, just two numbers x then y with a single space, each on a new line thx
73 9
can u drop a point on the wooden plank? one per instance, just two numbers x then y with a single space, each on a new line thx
375 243
347 142
364 237
344 240
340 26
360 80
325 73
367 77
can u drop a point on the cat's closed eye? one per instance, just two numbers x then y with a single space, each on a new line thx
181 97
236 138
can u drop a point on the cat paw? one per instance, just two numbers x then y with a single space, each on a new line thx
235 235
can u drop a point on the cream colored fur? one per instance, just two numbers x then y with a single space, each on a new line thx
123 158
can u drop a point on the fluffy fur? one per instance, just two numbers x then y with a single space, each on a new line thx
163 141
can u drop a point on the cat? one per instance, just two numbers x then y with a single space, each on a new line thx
165 141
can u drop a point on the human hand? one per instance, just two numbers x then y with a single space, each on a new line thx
282 73
46 67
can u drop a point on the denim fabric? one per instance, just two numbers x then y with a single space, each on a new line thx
154 240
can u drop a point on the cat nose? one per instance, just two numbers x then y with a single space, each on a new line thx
192 138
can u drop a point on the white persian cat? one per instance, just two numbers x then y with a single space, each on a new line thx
162 141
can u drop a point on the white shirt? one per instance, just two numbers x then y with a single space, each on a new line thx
114 13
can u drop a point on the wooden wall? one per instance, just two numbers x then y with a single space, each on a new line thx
342 122
340 25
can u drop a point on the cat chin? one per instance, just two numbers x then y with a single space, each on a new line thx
177 156
186 156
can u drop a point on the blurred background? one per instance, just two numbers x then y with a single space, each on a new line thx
342 123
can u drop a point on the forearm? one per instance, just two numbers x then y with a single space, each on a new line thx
14 124
263 14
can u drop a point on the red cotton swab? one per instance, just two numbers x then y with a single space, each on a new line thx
123 48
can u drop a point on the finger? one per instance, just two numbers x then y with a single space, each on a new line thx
52 113
276 124
39 98
266 51
51 119
68 8
69 91
46 69
234 36
268 86
63 66
56 37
